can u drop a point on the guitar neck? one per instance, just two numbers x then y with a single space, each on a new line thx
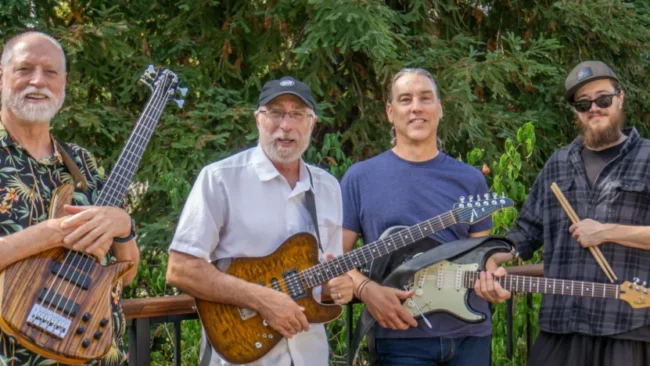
526 284
120 178
324 272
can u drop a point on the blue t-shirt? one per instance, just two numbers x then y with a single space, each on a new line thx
387 191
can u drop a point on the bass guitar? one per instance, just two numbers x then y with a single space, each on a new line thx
240 336
445 286
58 303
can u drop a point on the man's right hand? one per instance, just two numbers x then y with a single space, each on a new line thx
385 305
282 313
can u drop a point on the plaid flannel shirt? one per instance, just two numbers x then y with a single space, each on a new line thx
620 195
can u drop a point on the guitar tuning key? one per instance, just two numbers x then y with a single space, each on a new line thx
183 91
495 195
486 196
180 103
462 199
471 198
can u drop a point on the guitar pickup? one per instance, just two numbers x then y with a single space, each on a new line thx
294 284
81 261
71 275
62 303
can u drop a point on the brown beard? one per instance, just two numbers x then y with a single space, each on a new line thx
600 138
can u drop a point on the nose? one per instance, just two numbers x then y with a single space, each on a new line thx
285 122
416 105
38 78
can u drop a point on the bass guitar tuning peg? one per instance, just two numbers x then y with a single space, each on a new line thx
180 102
183 91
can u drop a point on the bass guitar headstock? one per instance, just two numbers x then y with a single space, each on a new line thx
165 82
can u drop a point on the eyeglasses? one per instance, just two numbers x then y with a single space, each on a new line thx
277 115
603 101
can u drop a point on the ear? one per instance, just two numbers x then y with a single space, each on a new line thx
621 97
442 113
389 112
1 75
257 119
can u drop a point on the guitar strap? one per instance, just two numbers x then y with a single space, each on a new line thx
311 207
77 175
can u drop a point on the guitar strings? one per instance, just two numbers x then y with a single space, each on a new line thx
369 247
469 278
140 140
90 259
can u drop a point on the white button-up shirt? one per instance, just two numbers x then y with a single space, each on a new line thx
243 207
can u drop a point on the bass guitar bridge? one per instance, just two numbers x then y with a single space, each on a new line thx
48 321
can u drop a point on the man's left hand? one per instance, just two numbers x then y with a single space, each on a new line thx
96 226
340 288
589 233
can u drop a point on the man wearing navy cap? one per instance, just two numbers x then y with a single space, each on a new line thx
246 206
604 174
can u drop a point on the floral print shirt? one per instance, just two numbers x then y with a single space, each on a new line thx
26 187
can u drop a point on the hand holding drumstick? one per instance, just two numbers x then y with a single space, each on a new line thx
595 251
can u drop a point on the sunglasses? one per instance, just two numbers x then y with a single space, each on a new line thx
603 101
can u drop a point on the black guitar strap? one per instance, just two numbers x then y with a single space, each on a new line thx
311 207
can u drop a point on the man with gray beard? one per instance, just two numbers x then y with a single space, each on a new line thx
33 164
604 174
246 206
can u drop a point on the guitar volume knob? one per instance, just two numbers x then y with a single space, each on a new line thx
419 292
103 322
85 343
81 329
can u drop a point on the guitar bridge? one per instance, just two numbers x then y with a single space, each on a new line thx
48 321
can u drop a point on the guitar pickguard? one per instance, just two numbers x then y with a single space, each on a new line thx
439 288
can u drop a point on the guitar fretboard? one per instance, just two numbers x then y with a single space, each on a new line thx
119 180
526 284
323 272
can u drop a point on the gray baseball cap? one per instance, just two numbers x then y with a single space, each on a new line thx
583 73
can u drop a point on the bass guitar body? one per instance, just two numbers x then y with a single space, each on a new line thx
58 303
240 335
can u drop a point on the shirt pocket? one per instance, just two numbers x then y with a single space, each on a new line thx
627 202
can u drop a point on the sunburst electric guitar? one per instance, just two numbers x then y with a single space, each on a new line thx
58 303
240 336
445 286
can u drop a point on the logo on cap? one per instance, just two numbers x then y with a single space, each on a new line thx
287 83
585 73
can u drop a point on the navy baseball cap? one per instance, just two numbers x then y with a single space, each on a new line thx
286 85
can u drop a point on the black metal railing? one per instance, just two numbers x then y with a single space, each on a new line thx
141 314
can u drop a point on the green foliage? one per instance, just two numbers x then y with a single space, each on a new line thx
500 68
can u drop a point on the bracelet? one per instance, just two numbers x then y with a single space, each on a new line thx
360 287
361 290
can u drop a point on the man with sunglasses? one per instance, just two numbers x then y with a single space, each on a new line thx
605 175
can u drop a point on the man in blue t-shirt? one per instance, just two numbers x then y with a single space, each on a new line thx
406 185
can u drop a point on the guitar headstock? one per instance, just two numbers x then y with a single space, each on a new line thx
165 82
476 208
634 294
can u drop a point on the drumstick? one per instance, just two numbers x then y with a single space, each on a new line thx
595 251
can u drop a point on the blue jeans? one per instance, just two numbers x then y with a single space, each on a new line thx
464 351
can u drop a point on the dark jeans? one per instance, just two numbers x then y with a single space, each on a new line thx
465 351
584 350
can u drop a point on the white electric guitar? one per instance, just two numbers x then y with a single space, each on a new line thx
445 286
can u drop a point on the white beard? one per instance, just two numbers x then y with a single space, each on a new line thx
32 112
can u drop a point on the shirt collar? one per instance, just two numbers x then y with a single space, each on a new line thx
266 171
6 140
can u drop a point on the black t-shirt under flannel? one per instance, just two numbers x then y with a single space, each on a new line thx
620 195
